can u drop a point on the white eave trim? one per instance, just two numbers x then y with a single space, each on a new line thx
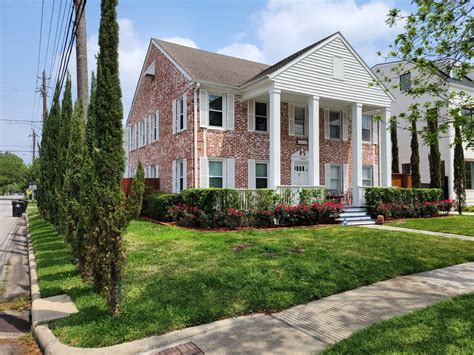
170 58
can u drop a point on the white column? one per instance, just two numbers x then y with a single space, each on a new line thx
450 163
313 137
275 128
356 153
385 149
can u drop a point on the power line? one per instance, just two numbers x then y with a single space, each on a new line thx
57 38
49 33
39 57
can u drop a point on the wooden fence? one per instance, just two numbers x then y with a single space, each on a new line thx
126 184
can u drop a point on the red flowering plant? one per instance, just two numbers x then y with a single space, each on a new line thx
189 216
445 206
232 218
328 211
426 209
262 218
298 215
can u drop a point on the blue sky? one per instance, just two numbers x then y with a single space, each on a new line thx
261 30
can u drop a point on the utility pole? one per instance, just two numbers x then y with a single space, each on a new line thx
44 95
81 53
33 135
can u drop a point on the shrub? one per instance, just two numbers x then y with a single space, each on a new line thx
310 196
262 218
158 205
374 196
445 206
210 200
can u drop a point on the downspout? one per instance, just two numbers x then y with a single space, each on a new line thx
196 176
379 145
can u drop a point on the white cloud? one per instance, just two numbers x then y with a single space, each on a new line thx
243 50
286 27
180 40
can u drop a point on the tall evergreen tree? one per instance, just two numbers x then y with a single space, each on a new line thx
434 156
109 163
459 170
62 141
135 199
72 180
415 155
49 159
84 241
394 138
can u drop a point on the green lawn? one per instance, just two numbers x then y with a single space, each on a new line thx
444 328
452 224
177 278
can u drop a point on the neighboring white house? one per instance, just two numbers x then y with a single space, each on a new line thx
401 105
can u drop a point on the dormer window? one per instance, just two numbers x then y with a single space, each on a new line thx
405 82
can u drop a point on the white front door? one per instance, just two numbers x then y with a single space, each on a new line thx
299 173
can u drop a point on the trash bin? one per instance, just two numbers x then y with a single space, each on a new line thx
24 204
17 209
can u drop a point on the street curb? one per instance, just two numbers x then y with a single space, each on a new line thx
50 345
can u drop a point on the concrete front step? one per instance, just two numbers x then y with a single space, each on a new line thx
353 214
361 223
354 218
354 209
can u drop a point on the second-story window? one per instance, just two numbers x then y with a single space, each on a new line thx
367 128
261 117
141 133
335 124
180 114
154 126
405 81
300 121
215 111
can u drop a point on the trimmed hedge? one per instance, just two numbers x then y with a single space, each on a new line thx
158 205
375 196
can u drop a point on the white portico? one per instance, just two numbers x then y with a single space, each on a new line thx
328 77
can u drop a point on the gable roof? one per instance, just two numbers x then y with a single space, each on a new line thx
206 66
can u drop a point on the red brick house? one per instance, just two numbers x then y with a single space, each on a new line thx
201 119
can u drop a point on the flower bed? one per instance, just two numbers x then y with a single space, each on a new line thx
281 215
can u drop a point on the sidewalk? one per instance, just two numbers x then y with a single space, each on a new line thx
420 231
302 329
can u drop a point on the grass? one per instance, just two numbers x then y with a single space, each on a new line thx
444 328
176 278
20 304
463 225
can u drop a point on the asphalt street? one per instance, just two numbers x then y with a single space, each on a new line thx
9 226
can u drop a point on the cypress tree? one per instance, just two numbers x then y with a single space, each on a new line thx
49 159
394 138
415 155
72 180
459 170
62 141
84 241
434 156
109 163
135 199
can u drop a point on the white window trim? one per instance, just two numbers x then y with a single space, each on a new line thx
178 114
266 162
142 134
305 122
133 137
220 160
223 96
341 126
371 128
371 167
341 177
155 116
255 130
179 163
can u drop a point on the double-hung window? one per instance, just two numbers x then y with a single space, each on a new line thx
261 117
153 171
215 111
180 114
367 176
142 133
470 175
216 173
180 174
300 121
335 177
154 127
335 124
405 81
261 175
367 128
133 137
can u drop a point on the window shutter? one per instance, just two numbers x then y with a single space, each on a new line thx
375 174
157 125
204 167
251 174
185 174
174 115
375 131
203 111
149 130
345 126
327 172
306 122
173 176
327 132
230 111
129 142
345 177
291 119
230 173
185 111
251 115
